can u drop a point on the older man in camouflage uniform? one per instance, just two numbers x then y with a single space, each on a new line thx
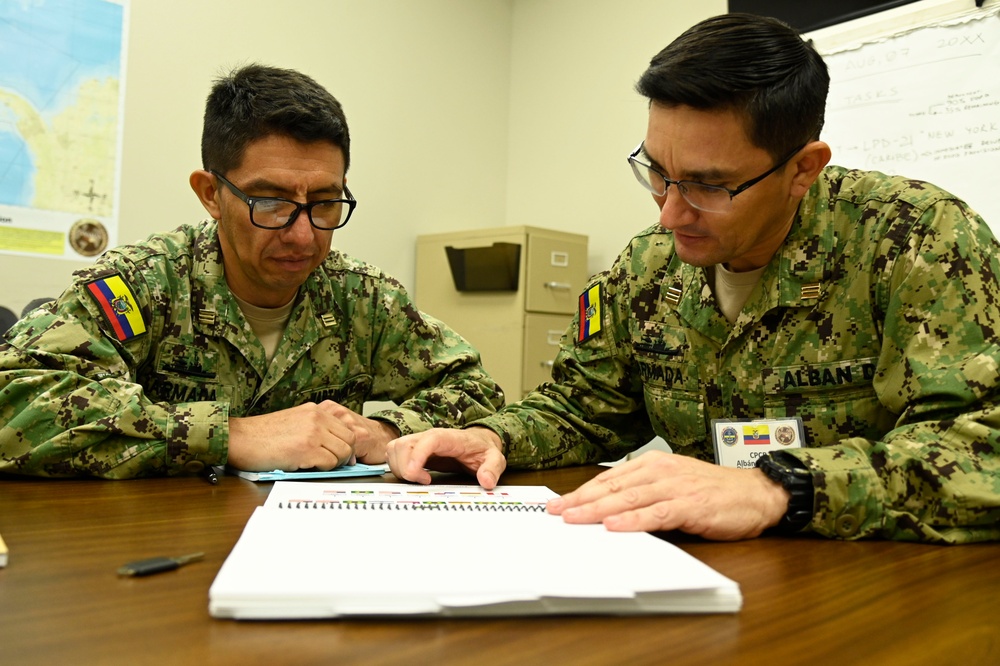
244 339
774 286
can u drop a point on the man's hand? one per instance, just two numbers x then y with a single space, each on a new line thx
320 436
664 491
370 436
477 451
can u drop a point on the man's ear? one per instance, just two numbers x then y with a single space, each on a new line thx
205 187
807 166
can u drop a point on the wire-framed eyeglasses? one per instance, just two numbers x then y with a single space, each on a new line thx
709 198
278 213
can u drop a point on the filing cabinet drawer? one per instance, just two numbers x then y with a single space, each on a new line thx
542 333
517 332
555 273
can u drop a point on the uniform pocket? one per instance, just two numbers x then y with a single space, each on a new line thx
679 418
834 400
184 373
351 393
671 388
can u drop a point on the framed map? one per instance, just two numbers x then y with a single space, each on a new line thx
62 76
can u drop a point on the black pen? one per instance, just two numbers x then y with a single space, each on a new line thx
157 564
209 475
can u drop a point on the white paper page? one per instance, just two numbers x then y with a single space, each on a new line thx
333 562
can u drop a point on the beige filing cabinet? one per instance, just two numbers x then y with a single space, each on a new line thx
517 332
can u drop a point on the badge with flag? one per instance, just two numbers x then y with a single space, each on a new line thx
741 443
590 313
118 305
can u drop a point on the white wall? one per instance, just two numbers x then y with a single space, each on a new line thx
425 86
463 114
575 115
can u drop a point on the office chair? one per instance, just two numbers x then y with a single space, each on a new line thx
7 319
34 304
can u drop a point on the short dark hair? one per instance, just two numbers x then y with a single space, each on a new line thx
757 66
256 101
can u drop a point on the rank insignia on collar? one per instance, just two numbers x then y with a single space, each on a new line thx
673 296
810 291
590 313
119 306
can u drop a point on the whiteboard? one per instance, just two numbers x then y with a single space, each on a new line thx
922 101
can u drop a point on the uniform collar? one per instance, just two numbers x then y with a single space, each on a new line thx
215 311
796 276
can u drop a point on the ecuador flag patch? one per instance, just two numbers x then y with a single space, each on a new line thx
590 313
119 307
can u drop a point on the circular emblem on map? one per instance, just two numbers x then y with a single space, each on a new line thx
88 237
729 436
785 435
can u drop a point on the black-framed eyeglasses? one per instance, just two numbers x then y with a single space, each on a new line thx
709 198
278 213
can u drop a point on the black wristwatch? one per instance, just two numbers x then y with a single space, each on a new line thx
797 480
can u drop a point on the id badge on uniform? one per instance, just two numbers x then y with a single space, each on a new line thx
740 443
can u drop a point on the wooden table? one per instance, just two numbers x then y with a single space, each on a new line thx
805 600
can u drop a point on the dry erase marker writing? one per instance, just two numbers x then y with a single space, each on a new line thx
157 564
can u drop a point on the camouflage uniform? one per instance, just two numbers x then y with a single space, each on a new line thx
74 400
876 323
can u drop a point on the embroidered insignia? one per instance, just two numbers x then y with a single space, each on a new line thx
811 290
206 317
673 296
590 313
119 307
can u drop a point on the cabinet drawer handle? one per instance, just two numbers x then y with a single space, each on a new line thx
558 285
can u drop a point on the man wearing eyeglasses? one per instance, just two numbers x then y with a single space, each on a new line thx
242 340
774 289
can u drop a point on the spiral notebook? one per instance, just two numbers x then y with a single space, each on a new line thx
326 550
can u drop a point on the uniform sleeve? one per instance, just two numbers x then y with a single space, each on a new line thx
432 374
593 410
69 405
936 475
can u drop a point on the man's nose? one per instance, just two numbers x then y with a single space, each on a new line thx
675 211
300 226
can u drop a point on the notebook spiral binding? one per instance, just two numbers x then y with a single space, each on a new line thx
387 506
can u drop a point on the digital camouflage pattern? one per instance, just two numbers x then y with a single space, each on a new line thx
74 401
876 323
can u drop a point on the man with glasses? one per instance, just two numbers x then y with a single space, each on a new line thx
244 339
774 288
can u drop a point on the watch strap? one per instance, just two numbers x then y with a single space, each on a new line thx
796 478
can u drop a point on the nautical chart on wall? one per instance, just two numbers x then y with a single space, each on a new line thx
62 66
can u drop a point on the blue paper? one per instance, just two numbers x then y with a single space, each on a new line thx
344 471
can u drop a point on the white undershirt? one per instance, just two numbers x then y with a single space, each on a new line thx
268 324
733 289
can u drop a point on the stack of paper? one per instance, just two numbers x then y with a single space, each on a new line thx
319 550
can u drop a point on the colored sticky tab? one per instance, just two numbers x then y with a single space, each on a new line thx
590 313
757 433
119 306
